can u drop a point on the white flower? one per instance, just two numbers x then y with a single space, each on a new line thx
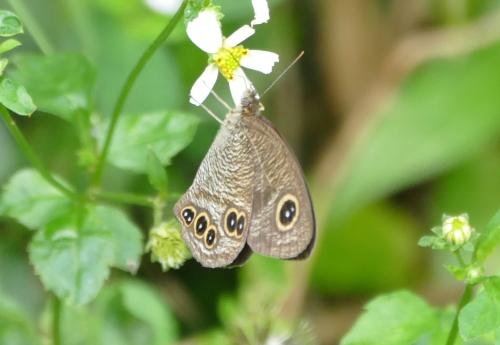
167 7
261 10
227 57
457 230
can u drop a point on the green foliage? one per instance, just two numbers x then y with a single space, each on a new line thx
31 200
165 133
482 315
59 84
135 314
490 239
440 122
8 45
393 319
156 173
10 25
378 228
15 97
73 254
15 327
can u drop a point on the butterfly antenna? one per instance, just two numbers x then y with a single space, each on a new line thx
217 97
221 101
210 112
284 72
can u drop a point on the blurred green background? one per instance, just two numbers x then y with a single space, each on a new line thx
394 113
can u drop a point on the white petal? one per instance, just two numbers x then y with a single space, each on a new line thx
260 60
168 7
261 10
203 85
205 31
239 36
239 85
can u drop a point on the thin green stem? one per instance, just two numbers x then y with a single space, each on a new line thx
127 87
460 258
56 320
30 155
125 198
31 24
466 297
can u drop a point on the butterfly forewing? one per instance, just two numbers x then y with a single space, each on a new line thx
221 194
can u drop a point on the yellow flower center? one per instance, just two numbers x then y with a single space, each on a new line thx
228 60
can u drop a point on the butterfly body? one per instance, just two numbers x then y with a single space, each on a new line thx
248 195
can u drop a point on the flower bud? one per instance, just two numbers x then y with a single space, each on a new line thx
457 230
167 246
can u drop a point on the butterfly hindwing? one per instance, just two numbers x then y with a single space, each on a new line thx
283 222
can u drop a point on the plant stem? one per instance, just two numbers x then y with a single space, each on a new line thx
30 155
56 319
127 87
36 32
466 297
126 198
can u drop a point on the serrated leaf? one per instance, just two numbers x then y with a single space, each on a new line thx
489 239
8 45
73 254
31 200
134 313
482 314
59 84
15 327
72 261
156 173
15 97
10 24
393 319
165 133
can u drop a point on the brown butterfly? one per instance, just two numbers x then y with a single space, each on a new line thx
249 195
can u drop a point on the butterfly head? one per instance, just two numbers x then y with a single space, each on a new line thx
250 103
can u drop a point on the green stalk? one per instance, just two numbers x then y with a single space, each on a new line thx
30 155
36 32
125 198
466 297
56 321
127 87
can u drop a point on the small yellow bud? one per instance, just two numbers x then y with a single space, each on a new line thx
457 230
167 246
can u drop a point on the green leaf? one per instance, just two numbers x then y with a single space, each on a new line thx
15 327
10 24
489 240
73 254
3 64
482 315
15 97
31 200
126 236
72 261
432 107
427 241
59 84
165 133
156 173
8 45
393 319
134 313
